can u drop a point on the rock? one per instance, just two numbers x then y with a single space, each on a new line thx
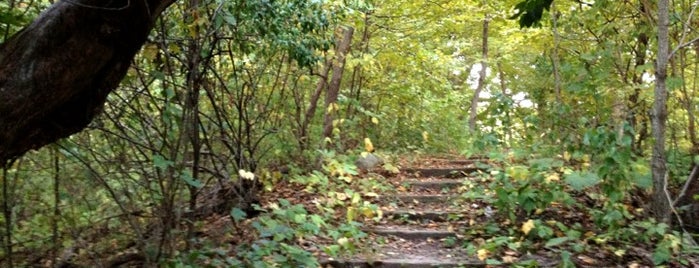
368 161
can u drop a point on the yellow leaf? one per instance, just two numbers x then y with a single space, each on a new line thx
553 177
356 197
351 214
150 51
174 48
566 156
509 259
341 196
368 146
371 194
518 172
368 212
620 252
375 120
482 254
342 241
527 226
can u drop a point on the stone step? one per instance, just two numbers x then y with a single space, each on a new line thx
427 198
400 263
413 215
441 172
468 162
412 234
434 184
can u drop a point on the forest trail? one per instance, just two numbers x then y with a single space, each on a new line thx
424 219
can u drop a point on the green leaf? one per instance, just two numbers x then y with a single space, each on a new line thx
186 177
161 163
238 214
557 241
581 180
492 262
644 181
661 255
566 260
545 163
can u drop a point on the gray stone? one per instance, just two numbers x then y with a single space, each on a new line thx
368 162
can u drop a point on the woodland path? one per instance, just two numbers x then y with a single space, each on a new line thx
424 219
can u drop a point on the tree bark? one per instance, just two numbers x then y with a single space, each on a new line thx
56 73
660 206
334 86
313 104
481 77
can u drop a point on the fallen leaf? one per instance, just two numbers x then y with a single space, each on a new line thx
527 226
482 254
342 241
509 259
587 259
371 194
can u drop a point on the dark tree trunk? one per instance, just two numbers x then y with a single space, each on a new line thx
56 73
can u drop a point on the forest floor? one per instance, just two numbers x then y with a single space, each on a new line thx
426 221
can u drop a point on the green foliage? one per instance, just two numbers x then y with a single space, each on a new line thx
293 26
227 85
581 180
528 189
530 12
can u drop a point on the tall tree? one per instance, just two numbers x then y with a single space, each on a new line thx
333 92
661 201
481 76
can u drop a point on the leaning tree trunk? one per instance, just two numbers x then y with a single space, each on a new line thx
56 73
334 87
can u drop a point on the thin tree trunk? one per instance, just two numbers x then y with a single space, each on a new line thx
313 105
56 205
334 86
660 206
691 128
191 115
481 77
358 74
554 55
503 89
7 213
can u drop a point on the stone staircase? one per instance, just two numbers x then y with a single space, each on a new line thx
421 223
